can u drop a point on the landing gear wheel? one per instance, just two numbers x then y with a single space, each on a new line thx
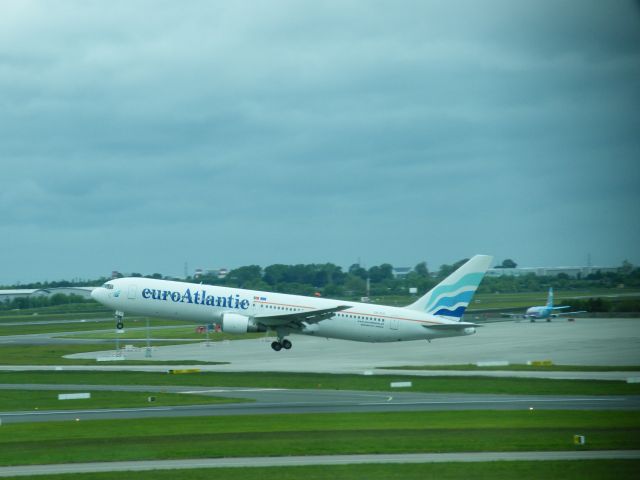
119 319
286 344
277 346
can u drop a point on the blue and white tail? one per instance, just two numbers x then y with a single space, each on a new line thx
550 298
451 297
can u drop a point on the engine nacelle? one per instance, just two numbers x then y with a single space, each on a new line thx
234 323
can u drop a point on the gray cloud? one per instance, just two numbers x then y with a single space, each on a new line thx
143 134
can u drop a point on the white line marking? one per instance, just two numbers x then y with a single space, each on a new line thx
463 402
238 390
77 412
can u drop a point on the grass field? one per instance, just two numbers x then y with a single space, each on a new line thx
315 434
482 301
493 385
24 400
88 325
567 470
53 355
524 300
74 310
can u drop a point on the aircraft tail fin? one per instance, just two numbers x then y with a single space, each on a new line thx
451 297
550 298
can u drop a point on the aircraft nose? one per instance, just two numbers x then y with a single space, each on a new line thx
95 293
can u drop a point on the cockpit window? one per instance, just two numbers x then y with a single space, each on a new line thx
108 286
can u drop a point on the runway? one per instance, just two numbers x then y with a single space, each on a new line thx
587 341
286 401
293 461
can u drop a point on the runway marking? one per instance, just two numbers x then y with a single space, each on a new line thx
463 402
77 412
124 466
237 390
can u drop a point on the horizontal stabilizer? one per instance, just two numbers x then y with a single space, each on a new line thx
564 314
452 326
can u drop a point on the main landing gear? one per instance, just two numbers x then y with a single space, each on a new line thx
280 344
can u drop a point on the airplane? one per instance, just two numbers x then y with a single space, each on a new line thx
436 314
545 312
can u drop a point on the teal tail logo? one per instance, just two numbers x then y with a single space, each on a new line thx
451 297
452 300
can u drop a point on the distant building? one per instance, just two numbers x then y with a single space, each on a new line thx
216 272
401 272
573 272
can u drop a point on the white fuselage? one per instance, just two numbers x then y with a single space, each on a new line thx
207 304
538 312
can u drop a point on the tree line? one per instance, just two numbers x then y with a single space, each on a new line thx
40 301
330 280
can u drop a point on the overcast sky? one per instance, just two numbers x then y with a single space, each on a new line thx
140 135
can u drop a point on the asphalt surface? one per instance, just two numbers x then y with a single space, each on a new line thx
285 401
583 342
586 341
314 460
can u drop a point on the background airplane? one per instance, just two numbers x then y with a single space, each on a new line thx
436 314
545 312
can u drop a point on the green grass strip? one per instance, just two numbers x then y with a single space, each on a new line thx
25 400
106 324
490 385
315 434
52 354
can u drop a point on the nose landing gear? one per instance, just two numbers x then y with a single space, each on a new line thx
119 320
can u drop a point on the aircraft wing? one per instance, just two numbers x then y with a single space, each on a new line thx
298 318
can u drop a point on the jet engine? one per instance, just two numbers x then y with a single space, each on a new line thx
234 323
